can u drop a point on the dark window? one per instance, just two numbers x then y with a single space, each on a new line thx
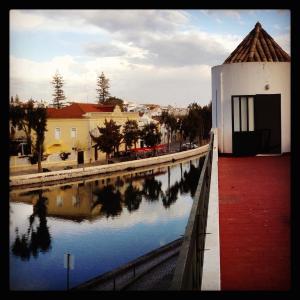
243 113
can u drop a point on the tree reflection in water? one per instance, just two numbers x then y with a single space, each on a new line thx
35 240
188 183
152 189
133 198
110 201
171 195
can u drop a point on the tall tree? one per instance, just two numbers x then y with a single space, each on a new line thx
193 124
40 127
109 137
20 116
103 88
169 120
207 119
31 119
151 135
58 95
131 133
180 128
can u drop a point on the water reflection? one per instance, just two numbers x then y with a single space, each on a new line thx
104 222
132 198
110 200
100 198
152 189
36 239
190 179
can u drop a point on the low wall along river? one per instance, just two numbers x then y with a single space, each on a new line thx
41 178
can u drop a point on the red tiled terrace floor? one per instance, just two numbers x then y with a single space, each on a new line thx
254 208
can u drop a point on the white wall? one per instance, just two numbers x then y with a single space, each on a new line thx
249 78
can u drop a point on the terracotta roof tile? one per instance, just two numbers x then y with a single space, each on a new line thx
77 110
258 46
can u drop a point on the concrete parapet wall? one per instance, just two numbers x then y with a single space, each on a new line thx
211 278
43 178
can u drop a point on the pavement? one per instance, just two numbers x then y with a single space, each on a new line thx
174 147
158 279
254 208
156 273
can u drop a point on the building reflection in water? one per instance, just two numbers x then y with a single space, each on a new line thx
96 199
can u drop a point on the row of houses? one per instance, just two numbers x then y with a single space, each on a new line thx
154 110
69 128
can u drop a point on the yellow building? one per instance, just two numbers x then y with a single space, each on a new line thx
68 128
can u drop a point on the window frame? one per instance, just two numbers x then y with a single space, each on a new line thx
57 129
240 112
75 136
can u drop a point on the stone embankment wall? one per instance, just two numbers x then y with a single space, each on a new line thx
44 178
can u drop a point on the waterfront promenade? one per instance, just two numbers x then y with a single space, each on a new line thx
254 207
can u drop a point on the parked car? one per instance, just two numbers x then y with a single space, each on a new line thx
188 146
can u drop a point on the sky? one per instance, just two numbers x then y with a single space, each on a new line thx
150 56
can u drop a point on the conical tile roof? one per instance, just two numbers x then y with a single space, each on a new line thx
258 45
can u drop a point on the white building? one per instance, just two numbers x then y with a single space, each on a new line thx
251 99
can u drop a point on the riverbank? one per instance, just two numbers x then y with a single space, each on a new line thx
62 175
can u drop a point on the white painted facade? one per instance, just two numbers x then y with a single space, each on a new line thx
249 78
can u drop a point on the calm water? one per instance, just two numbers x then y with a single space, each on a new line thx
103 223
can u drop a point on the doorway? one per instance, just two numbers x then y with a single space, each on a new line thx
256 124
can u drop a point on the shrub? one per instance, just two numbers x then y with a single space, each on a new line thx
64 155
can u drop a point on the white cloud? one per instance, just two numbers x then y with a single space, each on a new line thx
180 84
50 20
284 41
93 21
149 55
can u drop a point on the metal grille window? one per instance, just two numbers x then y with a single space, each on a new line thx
243 113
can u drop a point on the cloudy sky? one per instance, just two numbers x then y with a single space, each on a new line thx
150 56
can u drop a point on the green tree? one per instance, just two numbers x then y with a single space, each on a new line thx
195 126
170 122
207 119
180 129
131 133
33 121
114 101
21 117
103 88
58 95
40 127
151 135
109 138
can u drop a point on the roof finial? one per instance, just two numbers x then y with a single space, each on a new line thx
257 25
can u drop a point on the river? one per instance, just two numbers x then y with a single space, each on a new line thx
103 223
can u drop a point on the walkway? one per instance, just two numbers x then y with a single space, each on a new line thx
152 271
254 195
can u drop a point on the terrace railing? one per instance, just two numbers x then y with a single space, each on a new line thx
188 271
